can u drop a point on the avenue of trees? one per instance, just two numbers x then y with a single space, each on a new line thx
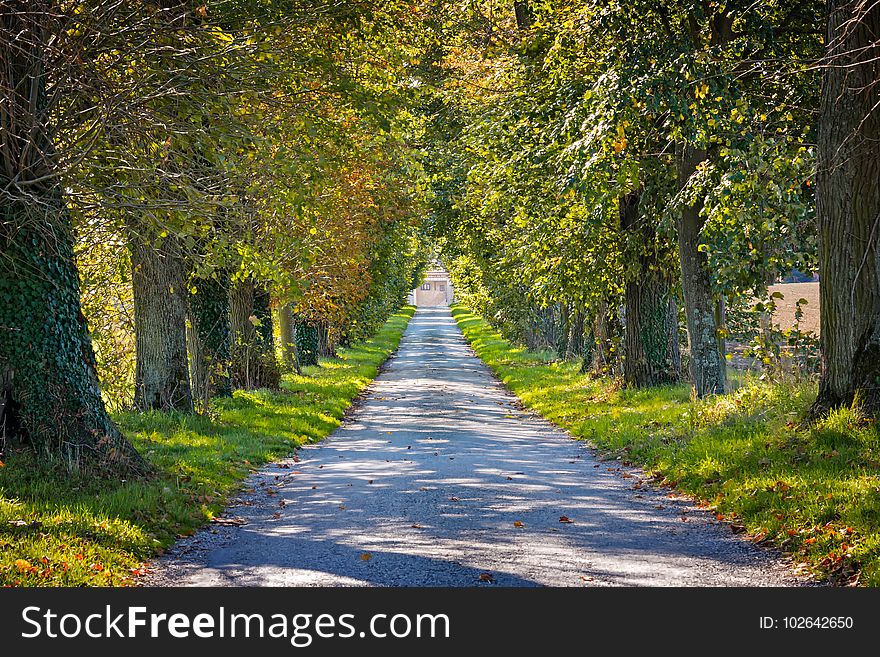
178 177
196 197
610 173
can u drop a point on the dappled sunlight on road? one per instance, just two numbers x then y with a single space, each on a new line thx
439 477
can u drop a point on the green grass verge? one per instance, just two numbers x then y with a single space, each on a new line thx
58 529
812 491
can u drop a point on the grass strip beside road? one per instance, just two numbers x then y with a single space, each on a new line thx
813 491
58 529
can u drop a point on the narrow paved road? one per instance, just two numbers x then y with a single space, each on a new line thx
427 484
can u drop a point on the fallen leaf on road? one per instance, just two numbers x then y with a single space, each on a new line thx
486 577
366 556
342 507
586 579
276 515
416 526
453 499
565 519
517 523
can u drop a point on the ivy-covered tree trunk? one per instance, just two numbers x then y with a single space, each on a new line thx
159 273
650 354
287 335
48 379
848 208
706 362
49 392
208 339
306 342
254 364
269 375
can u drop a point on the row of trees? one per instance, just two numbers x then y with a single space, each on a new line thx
662 158
178 178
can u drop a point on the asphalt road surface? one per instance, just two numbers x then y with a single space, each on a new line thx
438 478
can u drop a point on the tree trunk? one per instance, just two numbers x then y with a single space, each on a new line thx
603 356
269 374
253 346
325 346
241 309
287 335
160 305
564 329
706 363
49 392
848 208
306 341
208 338
672 338
650 354
523 14
576 334
721 327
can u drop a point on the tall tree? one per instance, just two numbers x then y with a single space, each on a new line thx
706 360
159 283
47 367
650 348
848 207
254 363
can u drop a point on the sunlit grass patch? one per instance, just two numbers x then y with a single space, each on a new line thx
58 529
813 491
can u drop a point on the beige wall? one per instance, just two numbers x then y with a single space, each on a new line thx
435 296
